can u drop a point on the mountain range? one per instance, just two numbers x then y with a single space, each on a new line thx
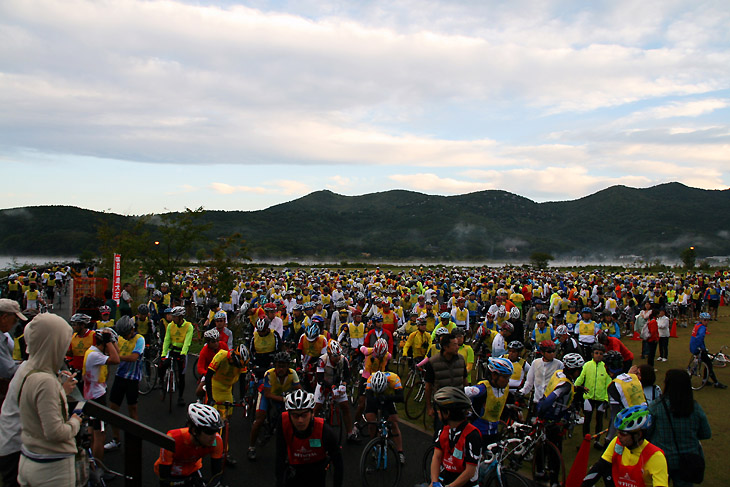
618 221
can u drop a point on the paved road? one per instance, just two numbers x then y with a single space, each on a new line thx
260 473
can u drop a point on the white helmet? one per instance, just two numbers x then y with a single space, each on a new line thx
514 313
378 382
299 399
204 416
212 335
573 361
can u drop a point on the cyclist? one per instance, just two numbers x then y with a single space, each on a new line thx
106 320
418 342
175 348
464 350
278 382
201 438
126 381
355 329
104 352
376 359
212 346
458 443
142 322
264 345
225 335
596 379
489 397
587 329
630 459
542 331
614 344
305 445
311 345
333 371
378 333
445 322
499 344
566 342
223 372
520 366
625 389
382 391
697 346
82 339
554 406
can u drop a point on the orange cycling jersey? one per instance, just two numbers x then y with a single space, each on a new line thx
187 457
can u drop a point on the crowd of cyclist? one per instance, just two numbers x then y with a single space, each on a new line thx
300 336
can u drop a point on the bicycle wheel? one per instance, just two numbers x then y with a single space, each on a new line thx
426 464
379 465
195 368
506 478
698 373
149 377
721 360
334 419
170 386
548 466
415 403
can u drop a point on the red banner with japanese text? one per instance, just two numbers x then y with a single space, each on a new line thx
117 279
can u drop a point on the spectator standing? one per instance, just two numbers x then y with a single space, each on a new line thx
9 316
663 325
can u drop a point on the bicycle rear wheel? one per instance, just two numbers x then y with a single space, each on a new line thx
415 402
379 465
149 377
426 464
506 478
698 373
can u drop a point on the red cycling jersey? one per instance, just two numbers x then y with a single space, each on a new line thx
188 456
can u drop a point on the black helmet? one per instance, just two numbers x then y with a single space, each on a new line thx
614 361
451 397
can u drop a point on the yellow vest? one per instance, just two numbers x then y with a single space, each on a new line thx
357 330
127 346
105 324
102 373
264 344
493 405
462 315
587 328
143 326
633 391
517 374
557 379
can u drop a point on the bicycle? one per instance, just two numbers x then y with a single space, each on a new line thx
150 368
379 463
721 358
698 371
493 473
169 381
225 432
332 413
415 400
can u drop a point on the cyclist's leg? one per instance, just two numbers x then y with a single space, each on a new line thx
389 410
261 409
343 403
705 357
181 362
318 399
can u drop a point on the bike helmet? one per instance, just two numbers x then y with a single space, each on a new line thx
178 311
165 284
356 312
501 366
105 310
508 326
80 319
705 315
515 345
634 418
614 361
441 330
445 315
381 347
262 324
308 305
220 315
378 382
573 361
143 309
514 313
204 416
270 306
598 347
562 330
312 332
124 326
317 320
298 307
541 317
282 358
421 320
586 310
502 312
377 318
239 356
212 335
106 335
157 295
547 346
299 399
451 397
334 348
340 304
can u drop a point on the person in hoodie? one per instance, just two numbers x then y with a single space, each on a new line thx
48 427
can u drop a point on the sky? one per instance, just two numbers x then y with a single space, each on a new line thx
139 106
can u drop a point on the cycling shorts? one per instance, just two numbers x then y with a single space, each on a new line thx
373 404
122 388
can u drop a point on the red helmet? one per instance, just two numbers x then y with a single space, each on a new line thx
270 307
381 347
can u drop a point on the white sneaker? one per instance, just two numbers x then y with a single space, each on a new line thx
112 445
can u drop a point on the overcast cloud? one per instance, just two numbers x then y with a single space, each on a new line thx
241 105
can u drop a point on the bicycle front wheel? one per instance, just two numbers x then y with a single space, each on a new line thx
379 465
721 360
426 464
698 373
149 377
506 478
415 402
548 466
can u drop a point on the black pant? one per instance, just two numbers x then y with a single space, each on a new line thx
663 347
705 357
651 352
178 361
9 469
589 415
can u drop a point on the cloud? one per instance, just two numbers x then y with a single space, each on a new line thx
432 183
224 188
691 108
281 186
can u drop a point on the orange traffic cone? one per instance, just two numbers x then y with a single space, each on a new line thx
580 465
673 331
636 336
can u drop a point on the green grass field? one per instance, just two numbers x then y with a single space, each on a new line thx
713 401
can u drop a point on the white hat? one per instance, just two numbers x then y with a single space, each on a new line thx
12 306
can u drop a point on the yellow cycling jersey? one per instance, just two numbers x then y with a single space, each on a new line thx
225 374
393 381
178 337
264 344
630 389
357 330
518 367
105 324
418 342
558 379
572 318
103 371
468 353
461 315
143 326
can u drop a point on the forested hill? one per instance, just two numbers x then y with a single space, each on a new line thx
657 221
